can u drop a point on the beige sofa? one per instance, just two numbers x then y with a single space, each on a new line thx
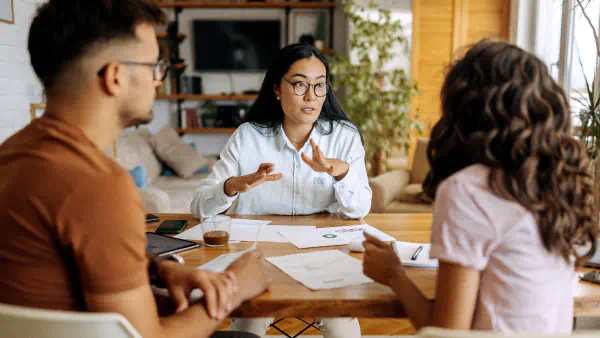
400 190
170 194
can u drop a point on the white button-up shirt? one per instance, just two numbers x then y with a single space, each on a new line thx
301 191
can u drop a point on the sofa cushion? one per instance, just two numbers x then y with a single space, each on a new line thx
155 200
180 191
413 193
168 171
420 165
387 187
176 154
134 150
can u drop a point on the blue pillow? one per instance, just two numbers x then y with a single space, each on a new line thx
139 175
168 171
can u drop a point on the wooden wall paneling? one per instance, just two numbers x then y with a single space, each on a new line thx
433 37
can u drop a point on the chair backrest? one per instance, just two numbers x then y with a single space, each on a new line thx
25 322
433 332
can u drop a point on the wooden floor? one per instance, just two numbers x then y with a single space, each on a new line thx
369 327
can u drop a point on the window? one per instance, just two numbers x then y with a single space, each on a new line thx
583 53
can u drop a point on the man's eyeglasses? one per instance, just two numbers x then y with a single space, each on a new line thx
302 87
160 68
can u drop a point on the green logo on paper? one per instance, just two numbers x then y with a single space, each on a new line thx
329 236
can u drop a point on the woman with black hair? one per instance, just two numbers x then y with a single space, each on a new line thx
297 127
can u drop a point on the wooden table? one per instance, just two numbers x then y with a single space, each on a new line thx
289 298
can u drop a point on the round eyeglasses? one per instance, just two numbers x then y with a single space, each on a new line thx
302 87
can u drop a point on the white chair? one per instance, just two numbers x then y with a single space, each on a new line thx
25 322
431 332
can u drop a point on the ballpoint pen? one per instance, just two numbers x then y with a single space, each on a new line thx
416 254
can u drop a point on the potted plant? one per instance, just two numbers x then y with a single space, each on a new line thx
376 96
589 114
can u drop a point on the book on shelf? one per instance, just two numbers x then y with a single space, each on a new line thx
192 120
183 119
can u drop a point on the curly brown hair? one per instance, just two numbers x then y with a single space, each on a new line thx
502 109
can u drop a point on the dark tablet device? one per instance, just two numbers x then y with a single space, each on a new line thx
163 245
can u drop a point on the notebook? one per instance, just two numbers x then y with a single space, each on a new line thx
163 245
407 251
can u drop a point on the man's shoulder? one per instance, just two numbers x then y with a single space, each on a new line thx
57 163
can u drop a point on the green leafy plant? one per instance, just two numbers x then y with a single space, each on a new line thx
589 131
376 98
589 99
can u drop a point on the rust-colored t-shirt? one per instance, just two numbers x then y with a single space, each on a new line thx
71 220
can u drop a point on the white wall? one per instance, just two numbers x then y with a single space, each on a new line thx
19 86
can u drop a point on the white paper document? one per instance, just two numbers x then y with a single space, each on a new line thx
248 232
314 238
248 221
407 251
355 232
192 234
221 263
268 233
332 236
195 233
320 270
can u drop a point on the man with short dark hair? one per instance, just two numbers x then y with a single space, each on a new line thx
73 229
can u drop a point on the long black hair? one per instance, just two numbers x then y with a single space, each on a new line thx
266 114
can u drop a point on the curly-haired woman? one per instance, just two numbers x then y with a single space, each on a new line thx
513 209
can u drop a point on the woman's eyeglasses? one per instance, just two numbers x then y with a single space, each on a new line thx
302 87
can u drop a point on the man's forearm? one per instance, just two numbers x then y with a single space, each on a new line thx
418 308
193 322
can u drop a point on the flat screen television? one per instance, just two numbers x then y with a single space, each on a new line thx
225 45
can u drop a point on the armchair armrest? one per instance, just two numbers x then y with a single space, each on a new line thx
155 200
387 187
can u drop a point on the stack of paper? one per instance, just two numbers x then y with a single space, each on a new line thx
407 251
321 270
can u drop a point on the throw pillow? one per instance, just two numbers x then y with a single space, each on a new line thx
182 157
168 171
139 175
413 193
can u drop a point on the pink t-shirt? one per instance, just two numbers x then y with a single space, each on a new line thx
523 287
